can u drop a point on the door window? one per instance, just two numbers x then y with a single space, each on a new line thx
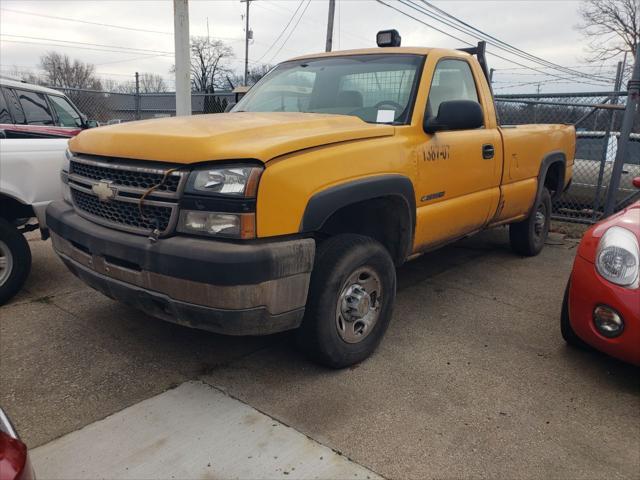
35 107
67 115
452 80
14 105
5 116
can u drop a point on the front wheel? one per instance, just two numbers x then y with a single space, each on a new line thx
351 297
15 261
528 236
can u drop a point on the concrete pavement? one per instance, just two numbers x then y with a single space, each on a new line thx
192 431
472 379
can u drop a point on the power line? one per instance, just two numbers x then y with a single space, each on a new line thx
292 30
316 25
108 25
81 48
504 45
468 43
282 32
501 45
136 50
67 19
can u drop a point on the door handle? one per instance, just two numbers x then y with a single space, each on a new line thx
488 151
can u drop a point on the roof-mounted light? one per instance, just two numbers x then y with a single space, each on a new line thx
388 38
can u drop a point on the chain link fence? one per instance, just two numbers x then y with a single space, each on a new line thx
596 116
113 107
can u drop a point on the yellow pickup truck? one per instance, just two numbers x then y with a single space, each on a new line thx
293 210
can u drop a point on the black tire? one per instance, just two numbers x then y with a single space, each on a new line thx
527 237
566 329
17 261
338 261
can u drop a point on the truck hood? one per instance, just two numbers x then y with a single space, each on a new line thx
223 136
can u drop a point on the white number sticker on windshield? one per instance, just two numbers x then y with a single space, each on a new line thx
386 116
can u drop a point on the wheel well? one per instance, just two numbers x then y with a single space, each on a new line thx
554 178
12 210
385 219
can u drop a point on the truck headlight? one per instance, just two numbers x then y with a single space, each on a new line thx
217 224
617 257
228 180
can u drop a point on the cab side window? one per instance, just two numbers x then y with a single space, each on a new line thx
452 80
35 108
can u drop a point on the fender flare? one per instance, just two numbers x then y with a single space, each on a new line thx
557 156
325 203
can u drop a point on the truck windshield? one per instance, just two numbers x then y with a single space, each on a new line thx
376 88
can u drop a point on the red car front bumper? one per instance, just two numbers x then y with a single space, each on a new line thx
587 291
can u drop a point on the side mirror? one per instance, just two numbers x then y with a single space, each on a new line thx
636 182
455 115
92 123
229 106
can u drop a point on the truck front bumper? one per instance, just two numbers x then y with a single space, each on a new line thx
232 288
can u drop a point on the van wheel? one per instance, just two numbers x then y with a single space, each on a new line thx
15 261
528 236
351 297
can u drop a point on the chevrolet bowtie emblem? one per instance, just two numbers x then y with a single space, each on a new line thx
104 191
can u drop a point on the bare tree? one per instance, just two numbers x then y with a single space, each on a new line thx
209 64
25 75
612 27
152 83
61 71
111 85
256 72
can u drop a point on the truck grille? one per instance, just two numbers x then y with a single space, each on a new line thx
129 182
123 213
126 178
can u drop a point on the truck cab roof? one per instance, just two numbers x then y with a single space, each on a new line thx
384 51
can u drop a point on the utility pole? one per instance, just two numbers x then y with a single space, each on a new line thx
332 14
137 96
248 34
631 109
182 56
607 139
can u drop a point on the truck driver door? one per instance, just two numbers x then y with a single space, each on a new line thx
459 170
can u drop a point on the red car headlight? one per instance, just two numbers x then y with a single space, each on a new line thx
617 257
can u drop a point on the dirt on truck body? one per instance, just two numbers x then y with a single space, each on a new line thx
293 210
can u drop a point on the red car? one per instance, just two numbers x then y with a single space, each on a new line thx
601 307
14 458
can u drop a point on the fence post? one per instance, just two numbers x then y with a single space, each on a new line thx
605 147
137 96
625 134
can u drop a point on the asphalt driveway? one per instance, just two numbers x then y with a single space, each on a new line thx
472 379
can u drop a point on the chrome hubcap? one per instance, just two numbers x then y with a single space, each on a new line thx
541 219
6 262
358 305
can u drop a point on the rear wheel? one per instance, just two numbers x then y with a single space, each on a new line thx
528 236
15 261
351 297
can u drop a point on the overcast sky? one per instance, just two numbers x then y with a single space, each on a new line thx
27 30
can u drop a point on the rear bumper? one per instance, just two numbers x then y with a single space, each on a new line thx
235 289
587 291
